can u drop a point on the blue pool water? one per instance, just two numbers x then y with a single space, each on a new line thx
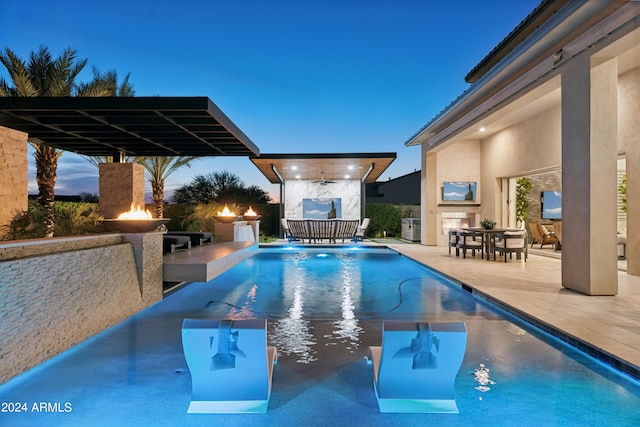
324 307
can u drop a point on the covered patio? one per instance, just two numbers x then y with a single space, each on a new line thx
558 95
310 183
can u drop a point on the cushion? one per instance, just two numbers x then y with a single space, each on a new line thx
543 230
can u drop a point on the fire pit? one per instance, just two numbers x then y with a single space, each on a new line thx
251 215
136 220
134 225
226 216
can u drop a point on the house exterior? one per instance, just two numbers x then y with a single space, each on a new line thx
560 93
403 190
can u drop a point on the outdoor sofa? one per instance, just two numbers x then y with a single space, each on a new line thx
322 229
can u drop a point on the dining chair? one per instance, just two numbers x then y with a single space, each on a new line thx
453 241
469 239
510 242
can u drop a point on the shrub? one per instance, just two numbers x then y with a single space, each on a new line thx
384 217
70 219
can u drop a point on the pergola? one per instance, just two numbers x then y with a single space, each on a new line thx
313 174
117 127
366 167
135 126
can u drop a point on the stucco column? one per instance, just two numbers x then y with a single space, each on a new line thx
13 173
632 149
589 142
429 199
121 185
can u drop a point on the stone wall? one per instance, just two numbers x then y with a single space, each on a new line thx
13 173
121 186
52 300
15 249
547 181
348 190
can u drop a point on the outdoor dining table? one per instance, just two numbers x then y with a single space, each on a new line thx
488 237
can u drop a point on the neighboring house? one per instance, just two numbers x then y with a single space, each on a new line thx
560 93
404 190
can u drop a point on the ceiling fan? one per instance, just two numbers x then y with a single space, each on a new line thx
323 181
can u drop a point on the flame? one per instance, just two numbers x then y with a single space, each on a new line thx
226 212
136 212
250 212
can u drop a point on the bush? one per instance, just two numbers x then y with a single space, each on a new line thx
70 218
384 217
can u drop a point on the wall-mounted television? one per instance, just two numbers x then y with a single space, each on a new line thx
326 208
551 204
461 191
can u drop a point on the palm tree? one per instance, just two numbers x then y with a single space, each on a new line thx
45 76
157 169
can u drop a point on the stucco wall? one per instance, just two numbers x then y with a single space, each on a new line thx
628 109
531 146
457 162
349 191
54 300
13 173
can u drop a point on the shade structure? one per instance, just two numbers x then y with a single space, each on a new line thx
134 126
366 167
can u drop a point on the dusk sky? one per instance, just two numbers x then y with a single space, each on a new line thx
295 76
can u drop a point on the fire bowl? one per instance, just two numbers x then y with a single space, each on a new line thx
226 219
251 217
134 225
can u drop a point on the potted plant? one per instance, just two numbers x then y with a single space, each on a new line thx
523 188
487 224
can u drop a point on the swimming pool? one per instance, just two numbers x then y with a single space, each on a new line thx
324 308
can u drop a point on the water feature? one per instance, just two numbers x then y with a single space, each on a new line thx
324 307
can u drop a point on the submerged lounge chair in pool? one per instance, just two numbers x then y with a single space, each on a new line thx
414 370
230 363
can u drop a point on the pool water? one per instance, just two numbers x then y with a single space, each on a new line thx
324 307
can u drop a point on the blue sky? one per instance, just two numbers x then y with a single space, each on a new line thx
295 76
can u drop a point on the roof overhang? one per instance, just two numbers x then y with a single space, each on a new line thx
366 167
531 70
135 126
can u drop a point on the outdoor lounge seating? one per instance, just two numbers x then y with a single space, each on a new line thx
322 229
197 237
346 229
541 235
230 363
414 370
299 229
285 230
361 231
171 243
